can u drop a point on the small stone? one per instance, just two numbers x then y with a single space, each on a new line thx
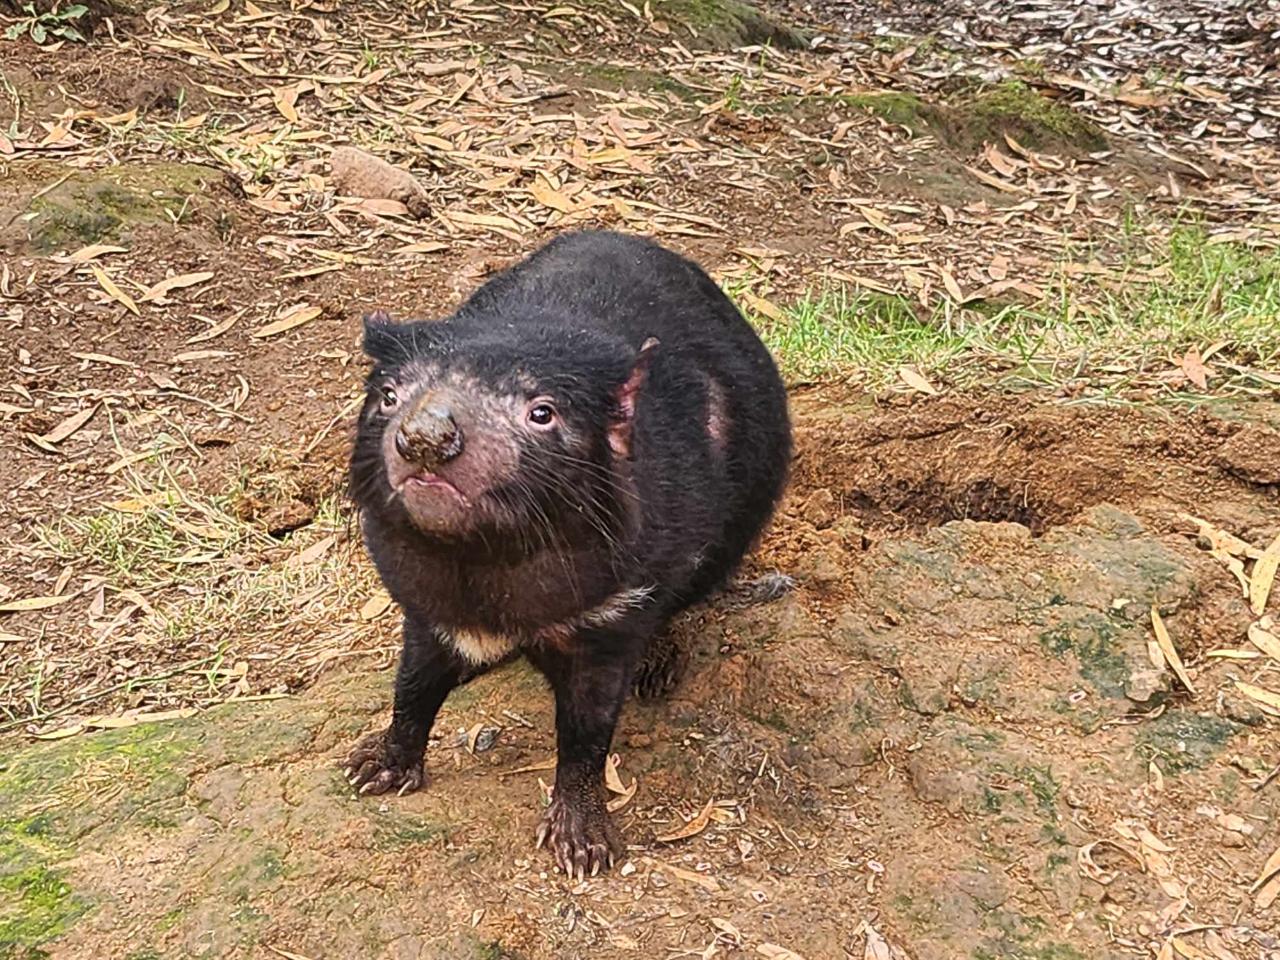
628 869
820 568
1146 685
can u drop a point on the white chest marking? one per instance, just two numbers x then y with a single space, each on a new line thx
481 647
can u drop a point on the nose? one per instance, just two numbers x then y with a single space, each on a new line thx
429 436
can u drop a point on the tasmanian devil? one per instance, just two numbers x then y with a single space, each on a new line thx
587 446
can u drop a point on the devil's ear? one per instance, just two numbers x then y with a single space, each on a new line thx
624 407
381 340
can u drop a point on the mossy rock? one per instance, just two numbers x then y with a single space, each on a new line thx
105 205
1013 108
967 120
722 24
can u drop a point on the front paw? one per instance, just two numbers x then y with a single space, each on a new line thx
377 764
580 834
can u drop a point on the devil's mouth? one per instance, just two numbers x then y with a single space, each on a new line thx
421 483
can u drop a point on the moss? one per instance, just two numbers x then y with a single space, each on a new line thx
36 905
1180 742
719 24
1093 641
612 76
1032 119
393 832
892 106
731 23
93 207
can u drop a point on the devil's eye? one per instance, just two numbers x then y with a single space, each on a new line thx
542 414
389 398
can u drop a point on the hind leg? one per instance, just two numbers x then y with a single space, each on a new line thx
662 667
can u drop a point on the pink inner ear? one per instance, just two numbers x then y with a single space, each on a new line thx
620 428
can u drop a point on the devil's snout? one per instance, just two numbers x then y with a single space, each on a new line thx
429 436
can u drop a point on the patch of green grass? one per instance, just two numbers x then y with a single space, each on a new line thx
163 529
1176 294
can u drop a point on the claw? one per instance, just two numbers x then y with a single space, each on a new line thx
543 830
368 786
595 868
405 787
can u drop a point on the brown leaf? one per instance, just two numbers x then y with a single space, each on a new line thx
68 426
692 828
285 99
217 330
1269 870
552 198
1170 653
295 316
953 288
764 307
1193 366
175 283
85 254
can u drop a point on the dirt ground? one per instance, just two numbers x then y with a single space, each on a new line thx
955 738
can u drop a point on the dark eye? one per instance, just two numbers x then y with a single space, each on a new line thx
542 414
389 398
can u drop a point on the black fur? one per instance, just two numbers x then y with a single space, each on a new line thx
668 499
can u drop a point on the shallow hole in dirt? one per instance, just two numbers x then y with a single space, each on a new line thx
930 502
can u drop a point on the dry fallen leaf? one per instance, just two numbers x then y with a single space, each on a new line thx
693 827
285 99
1167 649
913 378
114 292
1269 870
1267 698
92 252
375 606
33 603
764 307
1263 576
296 316
67 427
1260 636
175 283
216 330
1193 366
